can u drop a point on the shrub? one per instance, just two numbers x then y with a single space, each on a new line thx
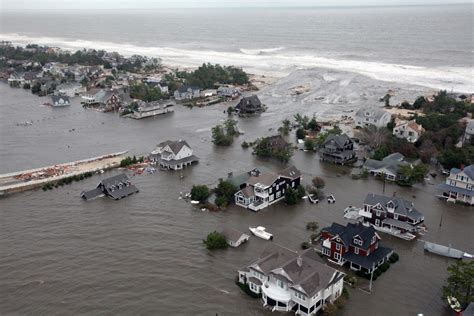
221 201
330 310
245 145
291 197
384 267
318 182
200 193
309 144
215 240
305 245
300 191
312 226
225 191
394 257
300 133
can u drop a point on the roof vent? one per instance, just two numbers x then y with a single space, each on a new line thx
299 261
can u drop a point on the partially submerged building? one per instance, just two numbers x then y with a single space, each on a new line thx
291 281
173 155
234 237
459 185
249 105
337 149
263 189
116 187
388 167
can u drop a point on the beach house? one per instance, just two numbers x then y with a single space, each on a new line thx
116 187
337 149
354 244
60 100
388 167
409 130
185 92
289 281
173 155
249 105
263 189
372 116
459 185
234 237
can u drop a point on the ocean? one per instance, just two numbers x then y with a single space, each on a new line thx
429 46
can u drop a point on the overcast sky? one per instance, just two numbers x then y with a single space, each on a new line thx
156 4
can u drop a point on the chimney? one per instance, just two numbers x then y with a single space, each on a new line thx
230 175
394 193
462 167
299 261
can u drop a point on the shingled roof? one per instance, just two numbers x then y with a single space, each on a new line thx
348 232
175 146
307 274
401 206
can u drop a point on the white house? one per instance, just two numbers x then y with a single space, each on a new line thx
459 185
372 116
291 281
409 130
468 133
173 155
234 237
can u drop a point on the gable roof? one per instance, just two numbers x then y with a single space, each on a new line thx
392 162
304 271
348 232
175 146
373 112
118 186
185 88
469 171
339 140
57 98
250 103
232 234
291 172
402 206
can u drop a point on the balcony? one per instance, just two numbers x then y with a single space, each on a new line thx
276 293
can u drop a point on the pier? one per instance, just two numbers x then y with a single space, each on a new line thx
25 180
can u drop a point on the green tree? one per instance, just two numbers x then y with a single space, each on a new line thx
231 127
215 240
309 144
381 152
300 191
285 128
200 193
313 125
225 191
412 174
267 147
291 196
460 282
313 226
300 133
220 138
36 88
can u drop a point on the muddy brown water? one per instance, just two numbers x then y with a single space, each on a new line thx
144 254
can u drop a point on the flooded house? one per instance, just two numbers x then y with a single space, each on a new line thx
388 167
70 89
185 92
354 244
60 100
263 189
228 92
149 109
116 187
289 281
459 185
392 215
249 105
234 237
174 155
106 100
337 149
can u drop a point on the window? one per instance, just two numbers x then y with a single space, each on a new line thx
357 241
356 250
280 284
338 246
337 256
377 213
326 251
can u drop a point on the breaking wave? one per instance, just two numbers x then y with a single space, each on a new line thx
276 62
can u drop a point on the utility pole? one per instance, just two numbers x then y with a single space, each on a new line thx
371 277
383 179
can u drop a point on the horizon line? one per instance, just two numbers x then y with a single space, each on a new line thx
238 7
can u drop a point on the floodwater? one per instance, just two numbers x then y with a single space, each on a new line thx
144 254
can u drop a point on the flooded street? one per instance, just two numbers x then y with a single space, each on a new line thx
144 254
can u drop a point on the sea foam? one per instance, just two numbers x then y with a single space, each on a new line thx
275 62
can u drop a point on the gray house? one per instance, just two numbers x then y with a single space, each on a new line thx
372 116
116 187
187 93
60 100
388 166
249 105
337 149
228 92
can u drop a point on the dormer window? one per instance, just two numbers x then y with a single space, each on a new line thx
357 241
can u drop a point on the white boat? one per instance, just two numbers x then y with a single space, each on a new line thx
313 199
454 304
261 232
445 251
331 199
194 202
